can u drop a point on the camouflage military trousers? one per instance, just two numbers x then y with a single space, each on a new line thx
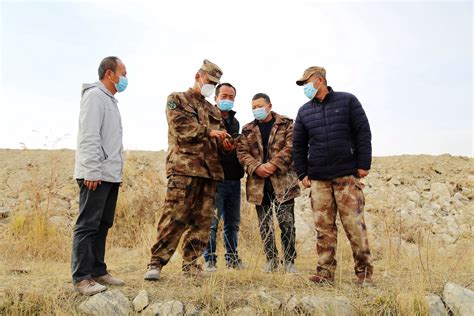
345 195
187 213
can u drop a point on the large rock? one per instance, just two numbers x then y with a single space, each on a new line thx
107 303
435 306
440 192
338 305
140 301
459 299
168 308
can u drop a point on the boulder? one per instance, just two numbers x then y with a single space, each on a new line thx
440 192
337 305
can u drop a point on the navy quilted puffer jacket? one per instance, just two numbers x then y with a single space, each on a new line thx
331 138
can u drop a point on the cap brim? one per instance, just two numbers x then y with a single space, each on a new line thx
301 81
213 79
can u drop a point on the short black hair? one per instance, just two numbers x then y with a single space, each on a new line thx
225 84
261 96
108 63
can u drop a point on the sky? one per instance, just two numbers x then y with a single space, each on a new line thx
409 64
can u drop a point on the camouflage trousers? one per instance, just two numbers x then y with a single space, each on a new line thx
345 195
187 213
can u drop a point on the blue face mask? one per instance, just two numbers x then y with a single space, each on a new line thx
309 90
225 105
122 84
260 114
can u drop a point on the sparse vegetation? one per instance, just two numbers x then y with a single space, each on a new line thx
35 250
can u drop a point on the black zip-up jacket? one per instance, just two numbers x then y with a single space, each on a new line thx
231 165
331 138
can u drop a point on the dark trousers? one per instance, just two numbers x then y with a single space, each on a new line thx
285 213
228 207
96 216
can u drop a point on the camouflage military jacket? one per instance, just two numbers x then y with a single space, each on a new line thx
280 146
191 152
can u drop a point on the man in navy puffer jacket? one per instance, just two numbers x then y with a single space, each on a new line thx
332 150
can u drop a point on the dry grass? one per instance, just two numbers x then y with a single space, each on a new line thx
35 268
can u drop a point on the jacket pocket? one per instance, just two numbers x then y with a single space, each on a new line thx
104 153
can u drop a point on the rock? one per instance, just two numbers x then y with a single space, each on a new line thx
337 305
107 303
422 185
435 306
461 198
410 205
413 196
5 212
244 311
459 299
266 301
140 301
169 308
440 192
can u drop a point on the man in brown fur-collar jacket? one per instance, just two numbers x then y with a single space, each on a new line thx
265 152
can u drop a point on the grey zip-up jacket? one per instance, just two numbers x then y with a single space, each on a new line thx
99 154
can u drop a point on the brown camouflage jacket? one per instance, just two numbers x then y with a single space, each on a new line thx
191 152
280 147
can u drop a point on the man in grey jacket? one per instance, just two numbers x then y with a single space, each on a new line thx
98 171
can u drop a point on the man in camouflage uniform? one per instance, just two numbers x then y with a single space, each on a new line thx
265 152
195 131
332 151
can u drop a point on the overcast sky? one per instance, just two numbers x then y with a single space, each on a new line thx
409 63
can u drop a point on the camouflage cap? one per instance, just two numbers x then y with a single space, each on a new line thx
309 72
213 71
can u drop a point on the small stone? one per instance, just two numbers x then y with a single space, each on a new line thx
107 303
140 301
61 222
459 299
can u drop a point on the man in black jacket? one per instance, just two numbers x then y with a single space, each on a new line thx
332 150
228 191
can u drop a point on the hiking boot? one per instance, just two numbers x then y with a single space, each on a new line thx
270 266
236 264
109 280
321 279
153 273
290 267
89 287
365 281
210 266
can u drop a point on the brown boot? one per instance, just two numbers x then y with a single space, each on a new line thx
89 287
321 279
109 280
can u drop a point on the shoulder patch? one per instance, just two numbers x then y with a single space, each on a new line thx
171 105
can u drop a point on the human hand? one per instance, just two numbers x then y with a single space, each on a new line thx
262 171
219 135
361 173
306 182
91 184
